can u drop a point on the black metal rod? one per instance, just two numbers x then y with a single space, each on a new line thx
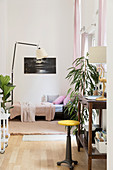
12 90
68 146
15 46
24 43
14 56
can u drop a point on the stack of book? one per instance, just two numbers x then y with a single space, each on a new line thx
101 141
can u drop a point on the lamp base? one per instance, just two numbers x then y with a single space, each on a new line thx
101 98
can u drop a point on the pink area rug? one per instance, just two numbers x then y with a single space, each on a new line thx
37 127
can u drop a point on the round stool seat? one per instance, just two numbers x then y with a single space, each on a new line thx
68 122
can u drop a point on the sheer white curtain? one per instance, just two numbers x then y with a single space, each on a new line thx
102 23
77 52
84 44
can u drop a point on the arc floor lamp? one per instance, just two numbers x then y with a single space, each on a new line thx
40 53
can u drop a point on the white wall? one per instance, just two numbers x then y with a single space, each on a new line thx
3 35
51 23
110 84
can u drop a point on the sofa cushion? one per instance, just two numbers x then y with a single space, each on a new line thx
51 98
59 108
59 100
66 100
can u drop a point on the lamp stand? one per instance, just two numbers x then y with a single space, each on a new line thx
21 43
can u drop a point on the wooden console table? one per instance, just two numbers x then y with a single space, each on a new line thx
93 153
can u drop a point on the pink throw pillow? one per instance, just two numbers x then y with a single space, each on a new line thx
59 100
66 100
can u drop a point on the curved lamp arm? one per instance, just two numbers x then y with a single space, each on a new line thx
14 54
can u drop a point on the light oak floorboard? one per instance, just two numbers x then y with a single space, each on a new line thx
43 155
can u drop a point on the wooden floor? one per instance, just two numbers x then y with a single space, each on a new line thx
21 155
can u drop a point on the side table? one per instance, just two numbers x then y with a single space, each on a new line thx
93 153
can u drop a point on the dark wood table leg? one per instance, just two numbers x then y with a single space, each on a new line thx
100 117
79 107
90 138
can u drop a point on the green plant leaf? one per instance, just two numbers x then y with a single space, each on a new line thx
78 60
4 80
70 68
9 101
8 89
7 96
69 91
0 84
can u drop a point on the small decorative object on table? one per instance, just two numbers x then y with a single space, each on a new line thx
95 92
103 80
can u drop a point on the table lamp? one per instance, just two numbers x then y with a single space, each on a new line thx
98 55
40 53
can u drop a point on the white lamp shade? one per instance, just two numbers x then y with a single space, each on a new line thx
97 54
41 53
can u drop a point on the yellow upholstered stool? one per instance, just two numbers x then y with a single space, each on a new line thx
68 159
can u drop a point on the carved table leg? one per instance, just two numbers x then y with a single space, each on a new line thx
90 138
79 107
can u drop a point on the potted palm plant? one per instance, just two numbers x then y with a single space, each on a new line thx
83 77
